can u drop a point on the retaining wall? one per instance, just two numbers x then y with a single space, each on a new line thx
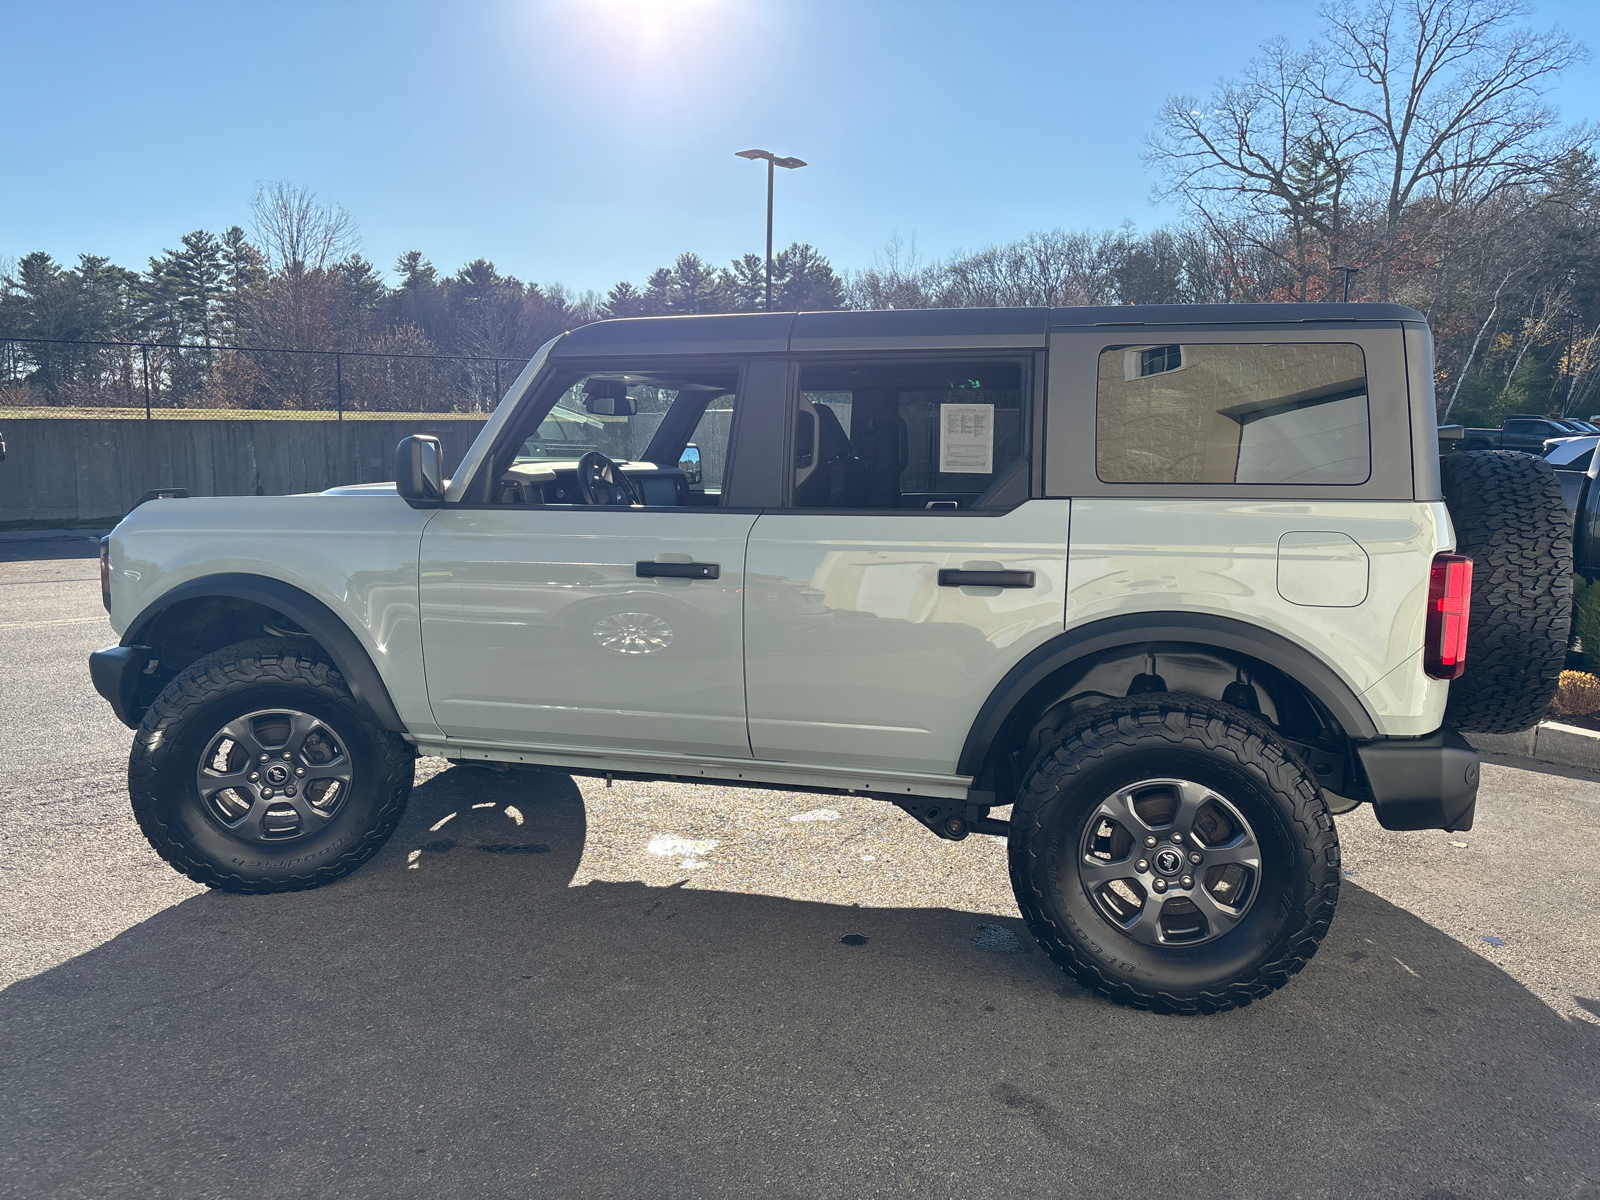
81 468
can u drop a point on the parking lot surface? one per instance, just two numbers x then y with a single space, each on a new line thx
545 987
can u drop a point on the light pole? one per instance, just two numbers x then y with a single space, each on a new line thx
772 161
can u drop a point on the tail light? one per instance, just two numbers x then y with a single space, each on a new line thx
105 572
1444 656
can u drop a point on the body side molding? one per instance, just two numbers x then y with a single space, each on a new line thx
319 621
1131 629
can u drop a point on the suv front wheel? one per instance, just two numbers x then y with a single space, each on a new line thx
254 771
1172 853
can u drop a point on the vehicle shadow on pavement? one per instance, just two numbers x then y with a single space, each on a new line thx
469 1024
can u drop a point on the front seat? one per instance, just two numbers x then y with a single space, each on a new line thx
838 479
884 446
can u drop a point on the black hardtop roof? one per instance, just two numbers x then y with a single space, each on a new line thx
949 328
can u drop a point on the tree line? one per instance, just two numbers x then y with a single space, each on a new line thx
1407 154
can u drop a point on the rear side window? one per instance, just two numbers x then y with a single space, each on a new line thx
1280 413
913 436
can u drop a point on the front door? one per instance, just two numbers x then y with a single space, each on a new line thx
553 618
541 627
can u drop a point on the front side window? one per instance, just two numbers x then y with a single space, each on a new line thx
667 429
1211 413
910 436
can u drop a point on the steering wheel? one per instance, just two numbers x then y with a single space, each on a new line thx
601 481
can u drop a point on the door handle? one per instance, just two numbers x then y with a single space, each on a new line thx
674 570
950 577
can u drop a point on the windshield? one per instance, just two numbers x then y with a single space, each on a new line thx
594 413
571 431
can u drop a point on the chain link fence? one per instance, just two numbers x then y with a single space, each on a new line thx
49 377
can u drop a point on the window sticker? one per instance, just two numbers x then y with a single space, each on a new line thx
966 439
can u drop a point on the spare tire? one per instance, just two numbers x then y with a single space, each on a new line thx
1510 518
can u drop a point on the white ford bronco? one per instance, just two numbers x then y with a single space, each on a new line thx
1171 584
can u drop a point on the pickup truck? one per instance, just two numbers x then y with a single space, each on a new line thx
1526 433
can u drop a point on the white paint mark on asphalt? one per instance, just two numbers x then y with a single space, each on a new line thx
1408 969
514 813
816 814
665 845
485 804
441 823
411 860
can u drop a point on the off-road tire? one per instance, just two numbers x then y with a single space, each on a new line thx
1192 738
247 677
1509 517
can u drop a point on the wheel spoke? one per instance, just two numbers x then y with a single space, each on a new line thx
212 782
1146 927
1191 798
249 825
1219 917
1243 850
1119 808
1096 872
338 769
312 818
243 733
301 726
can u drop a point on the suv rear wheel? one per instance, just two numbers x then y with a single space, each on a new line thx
254 771
1172 853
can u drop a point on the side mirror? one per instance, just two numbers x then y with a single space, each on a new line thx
419 470
689 464
610 406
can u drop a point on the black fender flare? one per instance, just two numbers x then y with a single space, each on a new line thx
320 622
1132 629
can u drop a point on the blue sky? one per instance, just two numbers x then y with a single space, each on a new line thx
587 141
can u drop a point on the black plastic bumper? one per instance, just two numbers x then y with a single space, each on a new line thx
115 672
1422 783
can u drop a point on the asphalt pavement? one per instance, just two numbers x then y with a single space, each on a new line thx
545 987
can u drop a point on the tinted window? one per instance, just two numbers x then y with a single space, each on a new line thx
914 436
1207 413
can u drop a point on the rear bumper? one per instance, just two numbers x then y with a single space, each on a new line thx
1422 783
115 672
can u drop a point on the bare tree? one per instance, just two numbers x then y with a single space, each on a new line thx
1445 97
1411 111
1267 145
298 232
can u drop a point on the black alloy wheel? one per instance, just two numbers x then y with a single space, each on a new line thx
255 771
1171 852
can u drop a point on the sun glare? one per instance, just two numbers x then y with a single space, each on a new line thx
648 19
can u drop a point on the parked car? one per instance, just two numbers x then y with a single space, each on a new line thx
1173 584
1571 454
1525 433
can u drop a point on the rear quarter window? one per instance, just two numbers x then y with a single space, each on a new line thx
1259 413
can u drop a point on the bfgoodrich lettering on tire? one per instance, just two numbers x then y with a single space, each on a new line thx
255 772
1173 854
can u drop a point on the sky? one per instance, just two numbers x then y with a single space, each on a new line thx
589 141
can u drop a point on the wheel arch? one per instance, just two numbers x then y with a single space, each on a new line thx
1027 688
204 614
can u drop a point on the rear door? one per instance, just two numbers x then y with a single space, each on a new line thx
906 568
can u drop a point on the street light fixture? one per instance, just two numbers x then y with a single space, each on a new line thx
772 161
